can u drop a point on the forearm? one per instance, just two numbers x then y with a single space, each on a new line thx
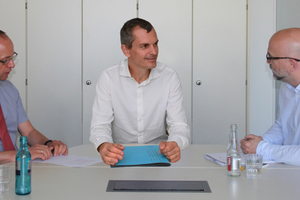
289 154
275 134
7 156
100 134
35 137
180 135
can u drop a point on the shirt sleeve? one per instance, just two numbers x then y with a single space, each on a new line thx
21 114
102 113
176 119
272 147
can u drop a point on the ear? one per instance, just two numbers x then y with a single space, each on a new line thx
294 65
125 50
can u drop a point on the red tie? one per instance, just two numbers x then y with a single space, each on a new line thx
5 137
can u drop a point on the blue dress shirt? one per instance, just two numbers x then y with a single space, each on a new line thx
281 142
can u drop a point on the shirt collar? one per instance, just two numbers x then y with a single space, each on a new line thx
294 89
154 73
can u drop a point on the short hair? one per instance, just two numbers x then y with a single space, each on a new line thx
127 29
3 34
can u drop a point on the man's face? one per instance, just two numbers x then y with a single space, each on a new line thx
280 67
6 52
144 51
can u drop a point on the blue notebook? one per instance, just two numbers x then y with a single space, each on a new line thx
142 156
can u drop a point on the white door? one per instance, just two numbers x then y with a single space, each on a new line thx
172 21
54 69
102 21
219 62
13 22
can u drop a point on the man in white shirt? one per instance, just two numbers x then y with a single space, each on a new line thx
136 98
281 142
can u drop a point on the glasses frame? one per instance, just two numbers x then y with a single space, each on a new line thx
270 58
9 59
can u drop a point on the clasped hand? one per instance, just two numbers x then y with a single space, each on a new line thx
44 152
249 143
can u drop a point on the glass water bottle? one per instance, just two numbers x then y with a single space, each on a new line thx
233 155
23 169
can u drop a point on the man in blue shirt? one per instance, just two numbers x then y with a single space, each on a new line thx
14 113
281 142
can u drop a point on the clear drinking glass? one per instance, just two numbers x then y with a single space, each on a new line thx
253 165
5 176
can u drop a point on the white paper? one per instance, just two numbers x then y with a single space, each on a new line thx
71 160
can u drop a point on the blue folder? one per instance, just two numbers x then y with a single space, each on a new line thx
142 156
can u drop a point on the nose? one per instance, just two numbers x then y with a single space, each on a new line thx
154 50
11 64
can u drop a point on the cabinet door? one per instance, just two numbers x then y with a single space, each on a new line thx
13 23
54 69
172 21
219 62
102 21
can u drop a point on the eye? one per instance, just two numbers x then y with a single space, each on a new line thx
144 46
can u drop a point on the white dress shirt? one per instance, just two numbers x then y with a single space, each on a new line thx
125 111
282 141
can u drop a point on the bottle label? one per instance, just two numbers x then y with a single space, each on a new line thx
27 167
233 163
229 163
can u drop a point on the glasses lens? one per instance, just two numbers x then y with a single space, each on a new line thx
14 56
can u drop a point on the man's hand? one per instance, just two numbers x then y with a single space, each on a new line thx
249 143
111 152
171 150
59 148
40 151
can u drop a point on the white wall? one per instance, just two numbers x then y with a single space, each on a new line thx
261 86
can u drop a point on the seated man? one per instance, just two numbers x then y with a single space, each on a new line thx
13 117
136 98
282 141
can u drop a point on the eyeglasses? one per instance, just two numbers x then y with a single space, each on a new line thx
270 58
9 59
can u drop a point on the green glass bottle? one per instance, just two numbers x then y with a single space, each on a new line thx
23 169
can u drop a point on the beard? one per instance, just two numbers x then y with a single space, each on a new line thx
278 78
279 75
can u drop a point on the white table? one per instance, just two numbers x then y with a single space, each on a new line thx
278 181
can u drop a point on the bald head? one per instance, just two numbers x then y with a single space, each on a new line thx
287 41
3 34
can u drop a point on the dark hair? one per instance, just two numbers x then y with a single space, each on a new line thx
127 29
3 34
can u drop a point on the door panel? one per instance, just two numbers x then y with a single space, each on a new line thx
219 62
54 69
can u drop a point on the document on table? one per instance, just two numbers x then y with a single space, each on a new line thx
71 160
142 156
220 158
